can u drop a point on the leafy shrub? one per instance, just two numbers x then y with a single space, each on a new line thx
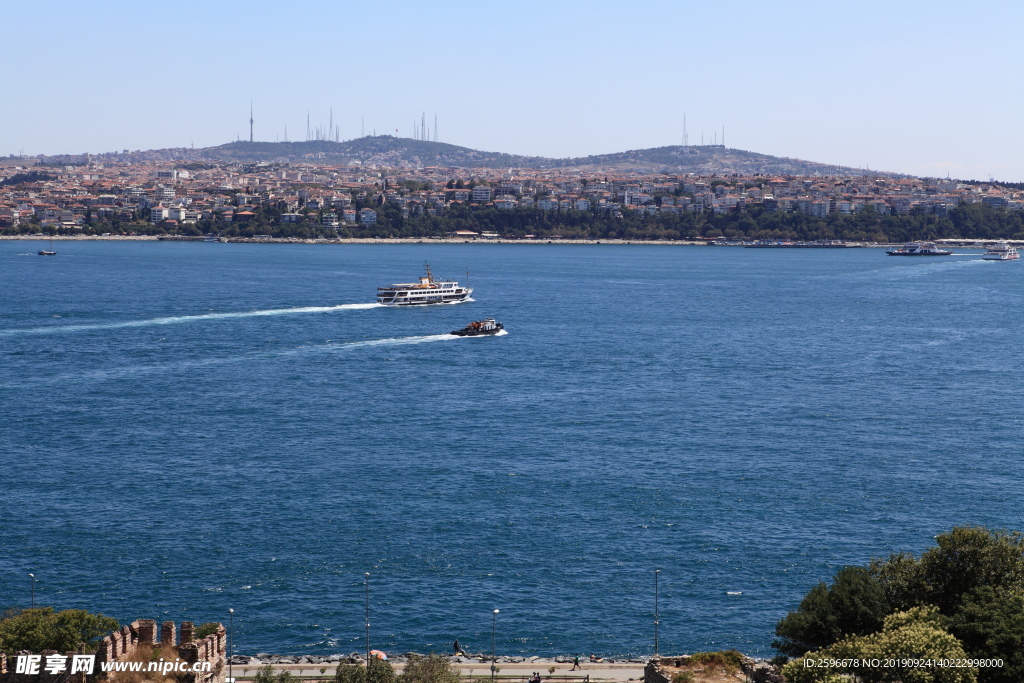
41 628
730 660
206 629
432 669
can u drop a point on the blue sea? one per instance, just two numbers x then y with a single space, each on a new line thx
192 427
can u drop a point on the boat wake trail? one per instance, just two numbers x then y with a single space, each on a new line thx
397 341
192 364
178 319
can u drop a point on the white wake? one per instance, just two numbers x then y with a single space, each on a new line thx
398 341
178 319
117 373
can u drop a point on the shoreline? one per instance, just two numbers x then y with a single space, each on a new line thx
313 668
963 244
520 667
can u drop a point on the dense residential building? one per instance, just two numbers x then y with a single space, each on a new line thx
347 199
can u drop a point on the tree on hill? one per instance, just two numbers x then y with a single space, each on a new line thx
971 584
917 634
990 624
964 560
42 628
854 605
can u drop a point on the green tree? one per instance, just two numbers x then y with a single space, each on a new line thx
41 628
963 560
968 558
432 669
990 624
919 633
350 673
379 671
266 675
900 578
854 605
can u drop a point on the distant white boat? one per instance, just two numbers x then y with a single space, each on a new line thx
919 249
1001 251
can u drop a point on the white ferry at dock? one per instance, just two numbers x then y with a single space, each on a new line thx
428 290
919 249
1001 251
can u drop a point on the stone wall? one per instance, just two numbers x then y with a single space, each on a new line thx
125 645
652 672
663 669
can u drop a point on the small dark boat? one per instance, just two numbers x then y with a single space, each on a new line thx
44 252
479 328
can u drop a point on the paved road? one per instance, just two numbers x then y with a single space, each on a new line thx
617 672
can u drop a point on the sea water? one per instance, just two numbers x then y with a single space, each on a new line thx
192 427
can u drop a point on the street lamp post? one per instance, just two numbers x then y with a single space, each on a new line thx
657 614
33 577
366 586
231 642
494 649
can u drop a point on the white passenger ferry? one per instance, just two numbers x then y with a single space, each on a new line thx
427 291
1001 251
919 249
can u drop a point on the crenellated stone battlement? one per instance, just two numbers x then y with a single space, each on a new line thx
135 642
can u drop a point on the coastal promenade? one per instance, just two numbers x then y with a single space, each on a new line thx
618 671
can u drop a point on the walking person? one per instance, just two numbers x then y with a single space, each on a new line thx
575 663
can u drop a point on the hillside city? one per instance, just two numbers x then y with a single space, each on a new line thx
254 199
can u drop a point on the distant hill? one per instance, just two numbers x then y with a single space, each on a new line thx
380 149
386 150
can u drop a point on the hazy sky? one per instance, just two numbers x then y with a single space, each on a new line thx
927 88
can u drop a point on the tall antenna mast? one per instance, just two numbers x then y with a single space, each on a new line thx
435 126
362 126
331 134
250 120
723 135
307 124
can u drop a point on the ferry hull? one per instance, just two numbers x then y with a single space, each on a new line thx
396 301
463 333
480 328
